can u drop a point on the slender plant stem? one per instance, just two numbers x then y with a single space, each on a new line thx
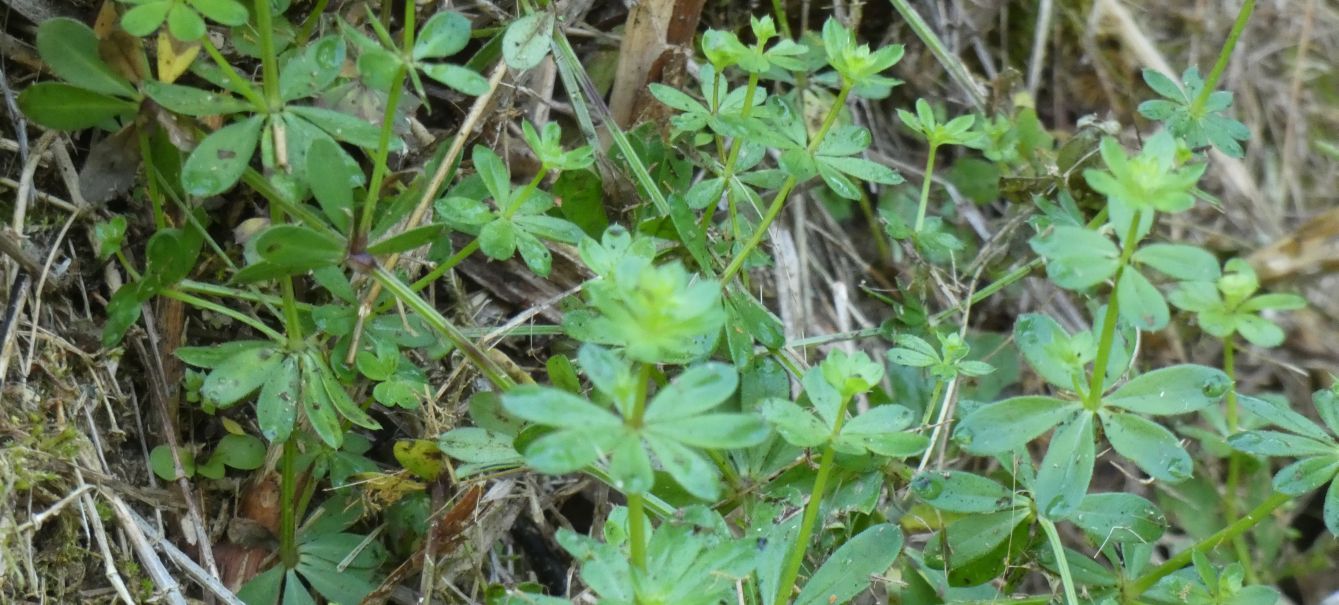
222 310
933 403
1061 560
636 501
779 201
446 265
1211 82
242 85
288 551
1232 499
1094 395
269 60
795 559
379 167
729 173
925 188
309 24
1181 559
443 326
955 67
782 23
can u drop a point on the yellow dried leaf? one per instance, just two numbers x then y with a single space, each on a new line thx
174 56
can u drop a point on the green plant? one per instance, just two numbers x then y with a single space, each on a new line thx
743 466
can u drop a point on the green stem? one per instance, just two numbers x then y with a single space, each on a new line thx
309 24
288 550
443 326
933 403
269 59
955 67
222 310
782 23
1224 56
1094 395
1231 499
1061 560
1183 558
795 559
636 502
729 173
925 188
242 85
774 208
379 167
446 265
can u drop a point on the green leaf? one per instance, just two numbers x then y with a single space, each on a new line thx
239 376
1275 443
479 446
697 475
191 101
445 34
1279 414
341 400
1306 474
1005 425
534 252
570 450
1077 258
109 236
1189 263
1141 304
313 69
145 18
265 587
62 106
879 430
1119 517
1174 390
277 406
214 356
345 127
317 406
527 40
70 49
221 158
184 23
123 310
630 466
553 407
335 584
1153 448
713 431
160 460
961 492
498 239
170 256
331 181
1259 331
848 570
795 424
242 452
1045 346
463 79
226 12
696 390
973 537
299 249
1067 468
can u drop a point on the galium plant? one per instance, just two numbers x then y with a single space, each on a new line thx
743 469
